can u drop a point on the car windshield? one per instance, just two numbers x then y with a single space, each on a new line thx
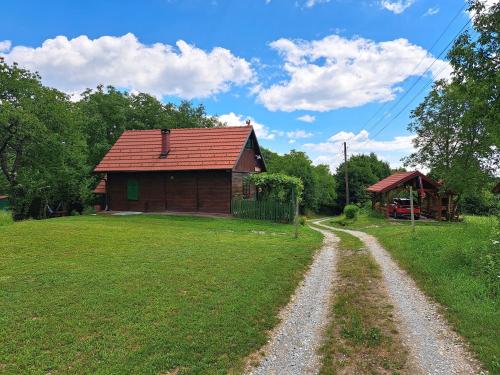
402 201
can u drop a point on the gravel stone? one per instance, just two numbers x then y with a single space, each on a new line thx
434 347
294 343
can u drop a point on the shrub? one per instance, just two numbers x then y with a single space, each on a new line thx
302 220
351 211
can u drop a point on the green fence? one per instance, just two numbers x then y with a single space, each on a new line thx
265 209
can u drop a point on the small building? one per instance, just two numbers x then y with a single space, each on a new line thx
432 201
190 169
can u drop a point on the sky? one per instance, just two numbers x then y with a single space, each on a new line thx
309 74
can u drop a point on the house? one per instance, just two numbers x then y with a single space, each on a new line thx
432 201
190 170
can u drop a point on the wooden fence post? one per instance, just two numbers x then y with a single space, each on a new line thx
295 200
411 210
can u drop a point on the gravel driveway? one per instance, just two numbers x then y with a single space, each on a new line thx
292 348
433 346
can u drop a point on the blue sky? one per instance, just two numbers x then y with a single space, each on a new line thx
307 72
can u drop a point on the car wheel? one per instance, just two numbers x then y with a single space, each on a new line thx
417 217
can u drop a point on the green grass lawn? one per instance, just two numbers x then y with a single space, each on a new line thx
458 264
143 294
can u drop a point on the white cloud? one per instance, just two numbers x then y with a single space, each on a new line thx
5 45
336 72
331 151
186 71
431 11
396 6
311 3
262 131
299 134
307 118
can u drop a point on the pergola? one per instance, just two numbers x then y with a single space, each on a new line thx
433 203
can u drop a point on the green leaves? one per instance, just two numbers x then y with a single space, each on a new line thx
277 185
319 184
50 145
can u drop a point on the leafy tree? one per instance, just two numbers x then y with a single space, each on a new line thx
106 113
42 151
319 184
364 170
325 186
458 137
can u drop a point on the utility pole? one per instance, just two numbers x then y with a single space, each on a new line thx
346 175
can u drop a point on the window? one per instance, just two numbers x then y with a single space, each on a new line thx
249 143
132 189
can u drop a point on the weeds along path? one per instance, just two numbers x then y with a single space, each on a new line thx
433 346
294 343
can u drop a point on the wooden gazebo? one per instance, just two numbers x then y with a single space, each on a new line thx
432 201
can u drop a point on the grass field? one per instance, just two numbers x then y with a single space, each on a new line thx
143 294
458 264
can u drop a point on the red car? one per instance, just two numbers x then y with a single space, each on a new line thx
400 207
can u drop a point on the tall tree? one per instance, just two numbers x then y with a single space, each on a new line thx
107 112
364 170
42 151
457 124
319 184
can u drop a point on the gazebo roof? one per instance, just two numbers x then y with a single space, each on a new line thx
397 179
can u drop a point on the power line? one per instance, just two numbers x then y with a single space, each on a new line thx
425 71
414 84
414 71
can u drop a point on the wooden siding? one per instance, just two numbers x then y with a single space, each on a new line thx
191 191
237 185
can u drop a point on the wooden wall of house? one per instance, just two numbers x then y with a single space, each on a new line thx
248 163
188 191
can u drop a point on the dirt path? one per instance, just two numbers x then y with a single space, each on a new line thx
433 346
292 348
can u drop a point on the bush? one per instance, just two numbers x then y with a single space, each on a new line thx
302 220
351 211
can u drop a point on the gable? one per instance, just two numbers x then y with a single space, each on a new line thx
250 159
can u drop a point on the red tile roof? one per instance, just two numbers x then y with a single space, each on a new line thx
190 149
396 179
101 187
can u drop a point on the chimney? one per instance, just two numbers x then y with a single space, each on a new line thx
165 143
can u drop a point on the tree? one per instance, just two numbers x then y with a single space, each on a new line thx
364 170
106 113
456 125
325 186
319 184
42 151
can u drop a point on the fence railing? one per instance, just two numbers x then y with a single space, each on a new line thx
263 209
